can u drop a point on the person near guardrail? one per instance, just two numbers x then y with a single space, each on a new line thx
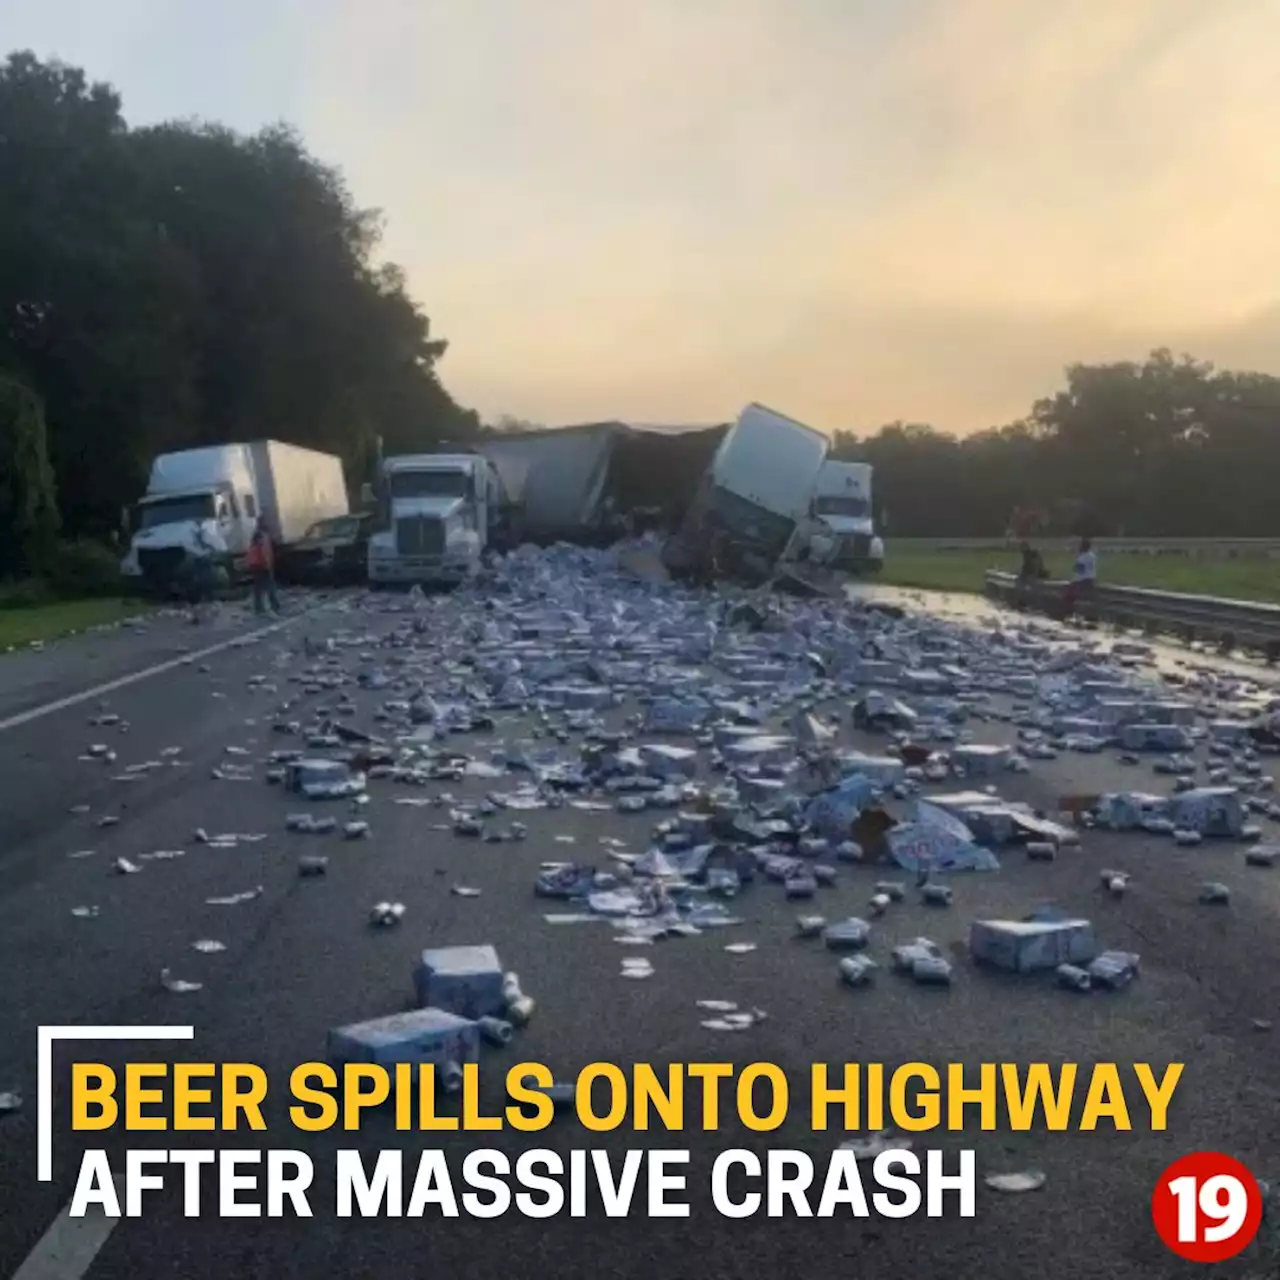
1083 579
1030 571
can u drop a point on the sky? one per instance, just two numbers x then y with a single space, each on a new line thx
853 211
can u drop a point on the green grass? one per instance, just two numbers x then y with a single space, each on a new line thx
1241 578
20 625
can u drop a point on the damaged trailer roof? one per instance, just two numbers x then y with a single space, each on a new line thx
561 475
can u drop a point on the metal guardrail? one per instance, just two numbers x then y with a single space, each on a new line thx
1157 546
1231 624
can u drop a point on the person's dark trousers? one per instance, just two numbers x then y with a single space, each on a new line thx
264 591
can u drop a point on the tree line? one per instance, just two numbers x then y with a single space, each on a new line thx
177 285
1170 447
181 284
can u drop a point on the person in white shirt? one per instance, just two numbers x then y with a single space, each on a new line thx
1086 574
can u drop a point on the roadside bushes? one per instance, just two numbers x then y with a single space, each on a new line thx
28 504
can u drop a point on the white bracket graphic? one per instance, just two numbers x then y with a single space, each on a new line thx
44 1075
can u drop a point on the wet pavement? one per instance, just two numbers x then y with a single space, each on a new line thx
300 958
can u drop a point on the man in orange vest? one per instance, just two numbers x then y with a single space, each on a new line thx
260 562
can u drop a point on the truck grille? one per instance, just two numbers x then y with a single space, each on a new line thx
420 536
160 563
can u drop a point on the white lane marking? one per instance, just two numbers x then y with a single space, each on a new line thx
71 700
67 1249
45 1037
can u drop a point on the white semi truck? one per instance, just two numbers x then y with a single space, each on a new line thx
754 499
204 504
842 527
440 512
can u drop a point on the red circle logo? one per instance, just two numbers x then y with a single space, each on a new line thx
1207 1207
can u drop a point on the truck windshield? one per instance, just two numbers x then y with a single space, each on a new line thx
190 506
429 484
339 527
840 504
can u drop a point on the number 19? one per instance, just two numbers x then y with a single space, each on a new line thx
1220 1204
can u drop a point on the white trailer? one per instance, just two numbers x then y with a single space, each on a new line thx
754 497
296 487
203 504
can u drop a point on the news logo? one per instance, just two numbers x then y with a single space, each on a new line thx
1207 1207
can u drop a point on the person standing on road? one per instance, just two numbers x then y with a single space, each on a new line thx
261 562
1084 578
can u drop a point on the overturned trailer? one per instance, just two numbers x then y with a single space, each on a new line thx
580 483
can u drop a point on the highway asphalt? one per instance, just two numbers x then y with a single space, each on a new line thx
301 958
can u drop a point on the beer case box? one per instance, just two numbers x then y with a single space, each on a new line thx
1212 811
466 981
1028 946
1155 737
982 759
420 1035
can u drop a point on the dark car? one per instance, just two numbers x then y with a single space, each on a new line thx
331 553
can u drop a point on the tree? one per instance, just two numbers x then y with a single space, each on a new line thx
28 506
180 285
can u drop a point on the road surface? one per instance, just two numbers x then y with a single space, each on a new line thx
301 958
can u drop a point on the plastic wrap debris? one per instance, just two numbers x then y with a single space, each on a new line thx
937 841
810 926
833 812
208 946
125 867
10 1101
1016 1183
740 948
877 1144
179 986
386 914
312 864
86 913
235 899
1026 946
1215 894
636 967
420 1036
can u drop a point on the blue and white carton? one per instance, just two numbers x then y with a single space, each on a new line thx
420 1035
466 981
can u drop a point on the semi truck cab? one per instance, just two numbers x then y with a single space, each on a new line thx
438 515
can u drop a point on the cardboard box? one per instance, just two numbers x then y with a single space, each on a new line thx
1155 737
466 981
421 1035
982 759
1212 811
1028 946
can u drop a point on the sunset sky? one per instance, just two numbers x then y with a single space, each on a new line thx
851 210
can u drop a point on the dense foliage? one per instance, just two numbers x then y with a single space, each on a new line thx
181 284
1167 448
